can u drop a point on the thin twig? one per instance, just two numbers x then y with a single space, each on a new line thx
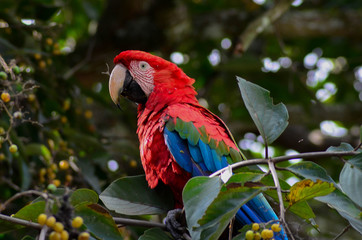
286 158
290 235
186 236
20 221
275 188
11 121
21 194
136 222
10 183
43 232
231 225
260 24
359 145
279 191
343 232
78 66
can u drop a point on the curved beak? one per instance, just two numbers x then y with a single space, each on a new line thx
122 83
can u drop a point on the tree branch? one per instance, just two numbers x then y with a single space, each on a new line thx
343 232
279 190
286 158
140 223
20 221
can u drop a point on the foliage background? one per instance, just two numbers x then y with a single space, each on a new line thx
310 59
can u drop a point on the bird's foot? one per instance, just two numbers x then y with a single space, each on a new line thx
175 222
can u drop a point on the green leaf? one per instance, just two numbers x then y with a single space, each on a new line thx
350 179
198 194
29 212
345 208
83 195
336 199
310 170
132 196
154 234
245 177
224 207
271 120
98 221
89 174
307 189
344 147
39 150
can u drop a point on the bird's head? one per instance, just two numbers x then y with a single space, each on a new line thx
137 75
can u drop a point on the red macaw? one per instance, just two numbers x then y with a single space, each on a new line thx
178 137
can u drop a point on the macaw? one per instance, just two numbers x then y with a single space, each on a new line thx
179 138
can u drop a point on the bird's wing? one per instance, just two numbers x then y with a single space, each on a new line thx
199 154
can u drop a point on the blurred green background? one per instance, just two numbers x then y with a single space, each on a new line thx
310 59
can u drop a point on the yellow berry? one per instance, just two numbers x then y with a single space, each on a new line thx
31 97
249 235
42 171
51 146
42 64
37 56
257 236
56 182
133 163
255 227
5 97
51 176
77 222
2 157
54 236
64 165
42 218
13 148
50 221
64 235
66 104
88 114
2 131
68 178
276 227
83 236
64 119
58 227
53 166
49 41
267 234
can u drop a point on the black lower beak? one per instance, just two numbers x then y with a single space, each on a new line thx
132 90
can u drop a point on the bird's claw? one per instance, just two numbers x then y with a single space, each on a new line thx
175 222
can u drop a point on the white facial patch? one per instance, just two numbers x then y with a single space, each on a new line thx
143 73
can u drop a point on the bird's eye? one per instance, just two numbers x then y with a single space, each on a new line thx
144 65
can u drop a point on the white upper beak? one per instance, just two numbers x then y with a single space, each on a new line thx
116 81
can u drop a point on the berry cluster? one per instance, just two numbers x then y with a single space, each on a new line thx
265 234
59 233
